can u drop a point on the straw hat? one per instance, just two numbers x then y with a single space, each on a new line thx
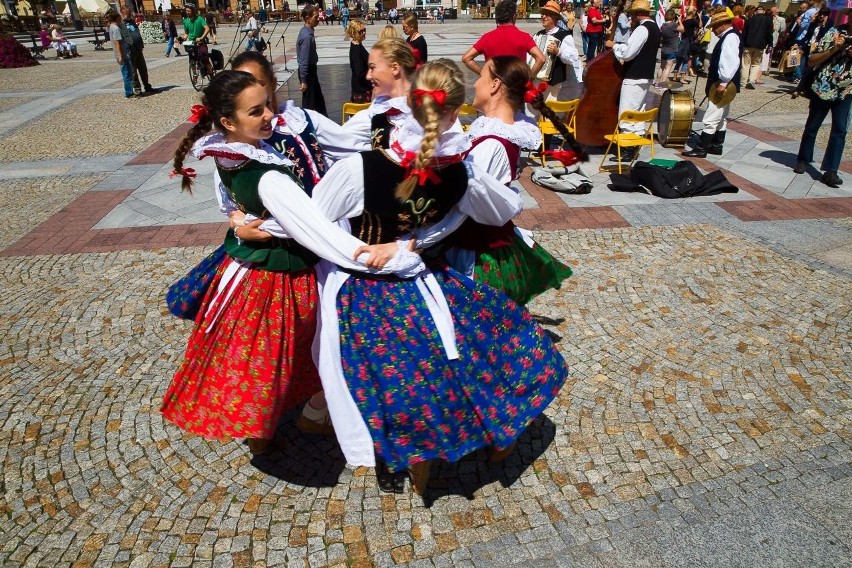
724 98
720 18
552 8
639 6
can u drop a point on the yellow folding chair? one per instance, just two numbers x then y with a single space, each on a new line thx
349 109
569 118
630 139
467 110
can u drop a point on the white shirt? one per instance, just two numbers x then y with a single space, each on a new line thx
729 60
628 51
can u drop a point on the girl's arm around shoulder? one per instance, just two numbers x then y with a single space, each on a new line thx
303 221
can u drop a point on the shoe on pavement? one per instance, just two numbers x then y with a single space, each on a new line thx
750 86
831 179
627 155
315 421
800 167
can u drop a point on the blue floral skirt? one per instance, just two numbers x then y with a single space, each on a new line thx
419 405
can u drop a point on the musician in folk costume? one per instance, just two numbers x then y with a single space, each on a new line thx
566 71
724 71
639 56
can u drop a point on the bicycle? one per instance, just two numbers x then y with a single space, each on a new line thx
199 75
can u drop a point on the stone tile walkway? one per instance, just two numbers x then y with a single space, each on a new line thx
706 422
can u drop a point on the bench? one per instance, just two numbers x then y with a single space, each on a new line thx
37 50
98 42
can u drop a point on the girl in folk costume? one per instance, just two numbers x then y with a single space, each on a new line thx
502 257
436 366
248 359
390 66
294 137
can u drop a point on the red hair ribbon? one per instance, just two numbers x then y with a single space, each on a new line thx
185 172
199 112
428 172
440 96
567 157
280 121
533 91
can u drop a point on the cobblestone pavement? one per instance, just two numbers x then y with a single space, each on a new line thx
706 421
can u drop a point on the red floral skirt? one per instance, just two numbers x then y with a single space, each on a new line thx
247 366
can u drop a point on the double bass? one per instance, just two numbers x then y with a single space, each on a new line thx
597 111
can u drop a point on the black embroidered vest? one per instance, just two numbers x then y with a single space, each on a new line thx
385 218
380 131
287 146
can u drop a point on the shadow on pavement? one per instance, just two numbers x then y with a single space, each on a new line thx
473 472
316 461
786 159
306 460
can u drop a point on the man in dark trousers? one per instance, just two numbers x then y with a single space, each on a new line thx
830 92
306 55
757 36
133 39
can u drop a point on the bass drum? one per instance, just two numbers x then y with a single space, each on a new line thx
674 120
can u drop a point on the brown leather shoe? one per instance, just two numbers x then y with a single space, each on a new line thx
419 473
308 426
258 446
496 456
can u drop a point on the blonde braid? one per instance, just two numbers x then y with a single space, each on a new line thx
441 74
427 147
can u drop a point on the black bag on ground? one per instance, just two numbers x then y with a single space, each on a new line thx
683 180
217 59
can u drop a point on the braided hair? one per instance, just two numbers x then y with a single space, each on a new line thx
441 74
539 104
220 101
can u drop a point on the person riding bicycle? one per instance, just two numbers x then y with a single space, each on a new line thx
197 31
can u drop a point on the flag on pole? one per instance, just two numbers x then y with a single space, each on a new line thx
660 12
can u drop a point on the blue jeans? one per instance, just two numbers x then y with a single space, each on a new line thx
817 112
585 41
170 43
127 76
595 45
